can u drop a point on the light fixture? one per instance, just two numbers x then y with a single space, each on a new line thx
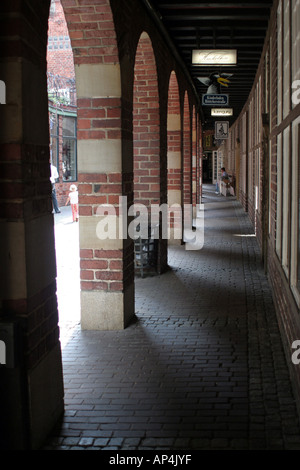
222 112
209 57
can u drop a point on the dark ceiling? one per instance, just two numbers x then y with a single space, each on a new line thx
218 25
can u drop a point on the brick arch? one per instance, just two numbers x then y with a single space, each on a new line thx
92 31
174 157
146 138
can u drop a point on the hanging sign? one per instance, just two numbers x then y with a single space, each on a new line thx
215 100
207 57
221 130
222 112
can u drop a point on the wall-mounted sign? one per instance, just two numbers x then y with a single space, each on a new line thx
208 57
221 130
222 112
215 100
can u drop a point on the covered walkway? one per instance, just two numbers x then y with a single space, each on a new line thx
201 367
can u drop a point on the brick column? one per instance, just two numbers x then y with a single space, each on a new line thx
194 162
104 176
187 157
174 162
199 160
106 302
146 136
32 389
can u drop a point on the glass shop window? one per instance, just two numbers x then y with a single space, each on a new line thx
53 121
69 153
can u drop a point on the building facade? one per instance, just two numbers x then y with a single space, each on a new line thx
62 102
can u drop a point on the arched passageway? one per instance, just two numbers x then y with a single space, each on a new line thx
105 38
104 71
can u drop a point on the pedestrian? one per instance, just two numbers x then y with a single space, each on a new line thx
53 177
224 174
73 199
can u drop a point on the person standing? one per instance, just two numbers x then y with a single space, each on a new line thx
53 177
73 199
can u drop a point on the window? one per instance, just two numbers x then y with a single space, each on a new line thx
257 180
53 121
295 46
69 158
279 61
286 200
279 196
295 219
286 59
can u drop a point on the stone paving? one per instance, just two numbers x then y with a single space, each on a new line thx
202 365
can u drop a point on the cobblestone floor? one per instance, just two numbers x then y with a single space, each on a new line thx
201 367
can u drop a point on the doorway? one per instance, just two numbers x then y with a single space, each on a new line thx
207 169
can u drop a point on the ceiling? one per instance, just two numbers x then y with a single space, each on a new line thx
218 25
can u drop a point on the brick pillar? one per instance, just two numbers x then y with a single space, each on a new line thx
31 390
187 157
104 176
174 162
199 161
146 137
187 170
194 162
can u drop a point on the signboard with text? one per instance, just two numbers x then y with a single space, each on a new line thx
215 100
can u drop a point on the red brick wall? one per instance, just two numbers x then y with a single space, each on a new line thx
194 158
174 139
146 126
187 155
174 135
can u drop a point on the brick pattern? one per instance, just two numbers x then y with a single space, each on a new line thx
99 118
187 157
92 31
194 158
174 137
146 127
101 270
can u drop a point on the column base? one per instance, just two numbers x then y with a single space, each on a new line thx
102 310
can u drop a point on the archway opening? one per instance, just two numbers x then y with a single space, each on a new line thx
62 107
